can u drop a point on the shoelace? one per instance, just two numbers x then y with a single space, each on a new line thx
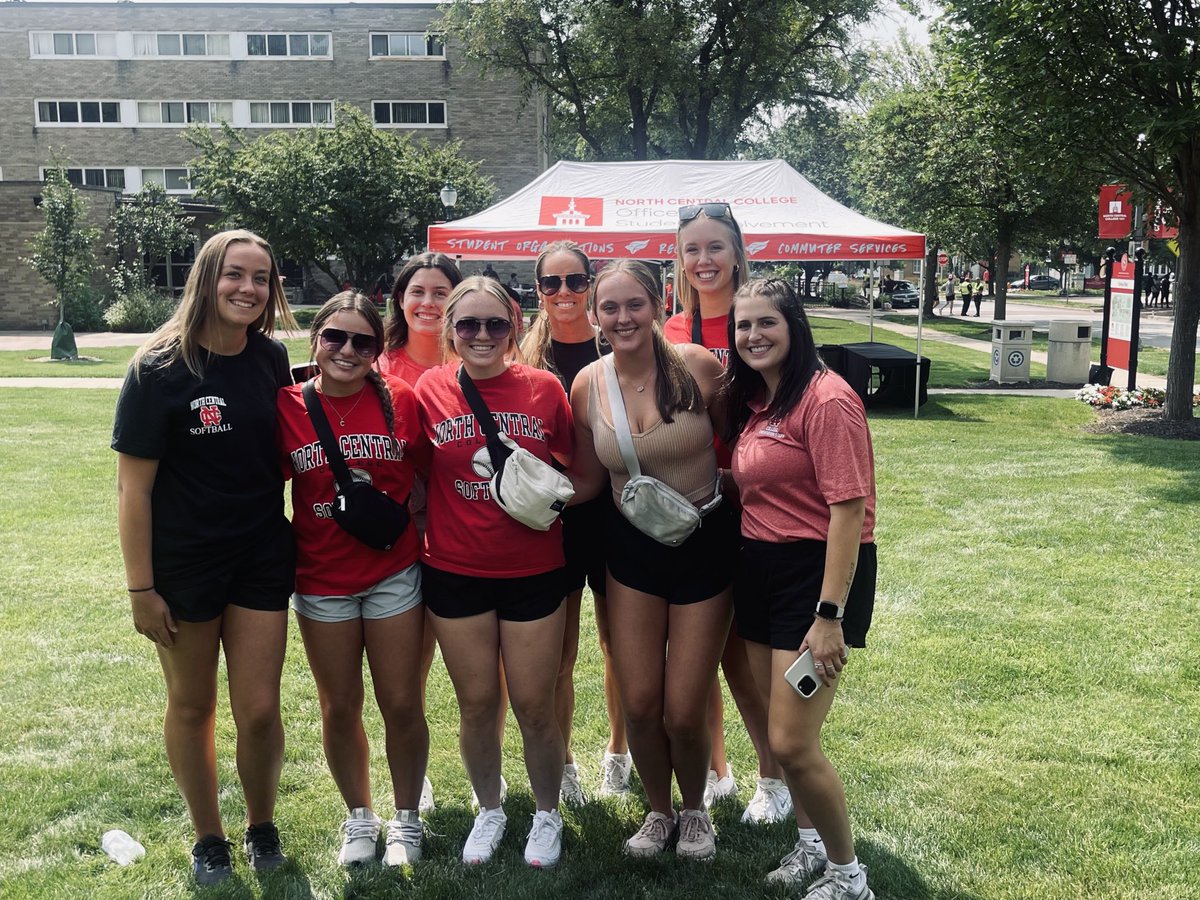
830 886
690 827
216 855
656 829
543 831
360 828
803 856
613 774
405 832
485 828
264 839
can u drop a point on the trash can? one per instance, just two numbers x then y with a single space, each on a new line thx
1069 353
1011 343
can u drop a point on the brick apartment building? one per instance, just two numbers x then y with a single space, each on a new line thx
110 86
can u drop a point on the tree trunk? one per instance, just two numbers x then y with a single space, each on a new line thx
1000 277
929 298
1181 370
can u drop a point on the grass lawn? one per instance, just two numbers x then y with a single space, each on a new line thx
1023 724
110 362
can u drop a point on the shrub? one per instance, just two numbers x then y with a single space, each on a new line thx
86 310
139 310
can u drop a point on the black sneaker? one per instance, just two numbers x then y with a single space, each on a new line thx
211 863
262 847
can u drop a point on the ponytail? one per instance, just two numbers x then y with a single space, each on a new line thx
389 411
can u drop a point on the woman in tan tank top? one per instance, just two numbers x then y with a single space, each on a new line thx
658 594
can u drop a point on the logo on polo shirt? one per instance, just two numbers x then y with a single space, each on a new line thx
209 411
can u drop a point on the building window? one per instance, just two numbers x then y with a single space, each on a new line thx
78 112
111 178
407 44
293 112
180 44
73 43
409 113
181 112
173 181
171 272
302 44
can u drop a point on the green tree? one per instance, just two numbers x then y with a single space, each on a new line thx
362 194
63 253
1122 78
146 228
645 79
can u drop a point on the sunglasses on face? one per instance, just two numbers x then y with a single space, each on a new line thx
712 210
333 339
577 283
468 327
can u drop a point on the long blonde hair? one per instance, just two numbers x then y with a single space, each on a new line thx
179 337
536 346
480 284
676 390
685 293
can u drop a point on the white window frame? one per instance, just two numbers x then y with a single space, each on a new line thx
74 54
83 170
142 170
155 35
445 123
290 123
287 36
428 39
37 114
212 121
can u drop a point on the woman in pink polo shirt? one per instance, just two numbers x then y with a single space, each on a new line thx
806 580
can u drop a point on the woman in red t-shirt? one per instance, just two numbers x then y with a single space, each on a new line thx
414 324
351 598
494 587
803 465
710 259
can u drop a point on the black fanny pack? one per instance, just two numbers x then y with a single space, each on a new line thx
359 508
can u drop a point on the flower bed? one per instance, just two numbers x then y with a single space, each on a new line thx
1104 396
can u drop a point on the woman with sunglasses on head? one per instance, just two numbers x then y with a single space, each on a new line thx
806 579
209 558
710 259
493 586
659 596
563 340
350 598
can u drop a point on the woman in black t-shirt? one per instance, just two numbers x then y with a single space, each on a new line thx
209 560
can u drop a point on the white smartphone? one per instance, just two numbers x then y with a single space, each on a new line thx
802 675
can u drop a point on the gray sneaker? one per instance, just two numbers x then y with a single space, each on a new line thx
615 771
837 886
570 790
800 865
696 837
653 837
404 833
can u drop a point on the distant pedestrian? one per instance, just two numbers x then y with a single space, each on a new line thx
489 272
948 288
968 287
980 287
1164 290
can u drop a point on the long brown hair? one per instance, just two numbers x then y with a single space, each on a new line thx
397 325
536 346
676 390
179 337
685 293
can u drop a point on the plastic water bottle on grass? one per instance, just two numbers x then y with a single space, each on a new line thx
121 848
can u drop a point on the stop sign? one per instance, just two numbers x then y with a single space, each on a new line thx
943 259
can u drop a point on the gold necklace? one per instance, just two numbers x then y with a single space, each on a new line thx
342 416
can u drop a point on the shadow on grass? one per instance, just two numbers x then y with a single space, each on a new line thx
1176 457
936 409
891 878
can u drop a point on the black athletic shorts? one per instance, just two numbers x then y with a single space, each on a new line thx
584 543
699 568
523 599
260 576
777 588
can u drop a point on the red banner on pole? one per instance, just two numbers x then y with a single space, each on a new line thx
1120 329
1116 212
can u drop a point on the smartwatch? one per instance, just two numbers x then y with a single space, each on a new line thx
827 609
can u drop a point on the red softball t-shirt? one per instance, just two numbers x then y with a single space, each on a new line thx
789 471
399 364
467 532
329 560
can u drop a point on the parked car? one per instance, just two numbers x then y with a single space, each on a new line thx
1037 283
903 295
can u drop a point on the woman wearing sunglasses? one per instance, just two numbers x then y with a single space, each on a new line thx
494 587
806 580
563 340
710 257
209 559
350 598
659 597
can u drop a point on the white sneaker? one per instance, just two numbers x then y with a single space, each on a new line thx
544 847
571 791
697 840
503 795
653 837
615 771
801 864
839 886
485 836
360 834
771 803
404 834
425 804
719 788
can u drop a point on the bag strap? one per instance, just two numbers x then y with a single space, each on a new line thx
487 424
697 326
616 408
337 462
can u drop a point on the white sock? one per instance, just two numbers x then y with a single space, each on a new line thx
851 869
810 837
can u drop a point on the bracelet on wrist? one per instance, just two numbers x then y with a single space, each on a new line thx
139 590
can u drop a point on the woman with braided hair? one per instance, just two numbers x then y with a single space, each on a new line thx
351 598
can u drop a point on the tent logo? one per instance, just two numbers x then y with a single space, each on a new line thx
756 247
635 246
572 212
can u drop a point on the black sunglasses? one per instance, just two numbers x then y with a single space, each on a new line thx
712 210
468 327
577 282
333 339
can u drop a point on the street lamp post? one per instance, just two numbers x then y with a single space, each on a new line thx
448 195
